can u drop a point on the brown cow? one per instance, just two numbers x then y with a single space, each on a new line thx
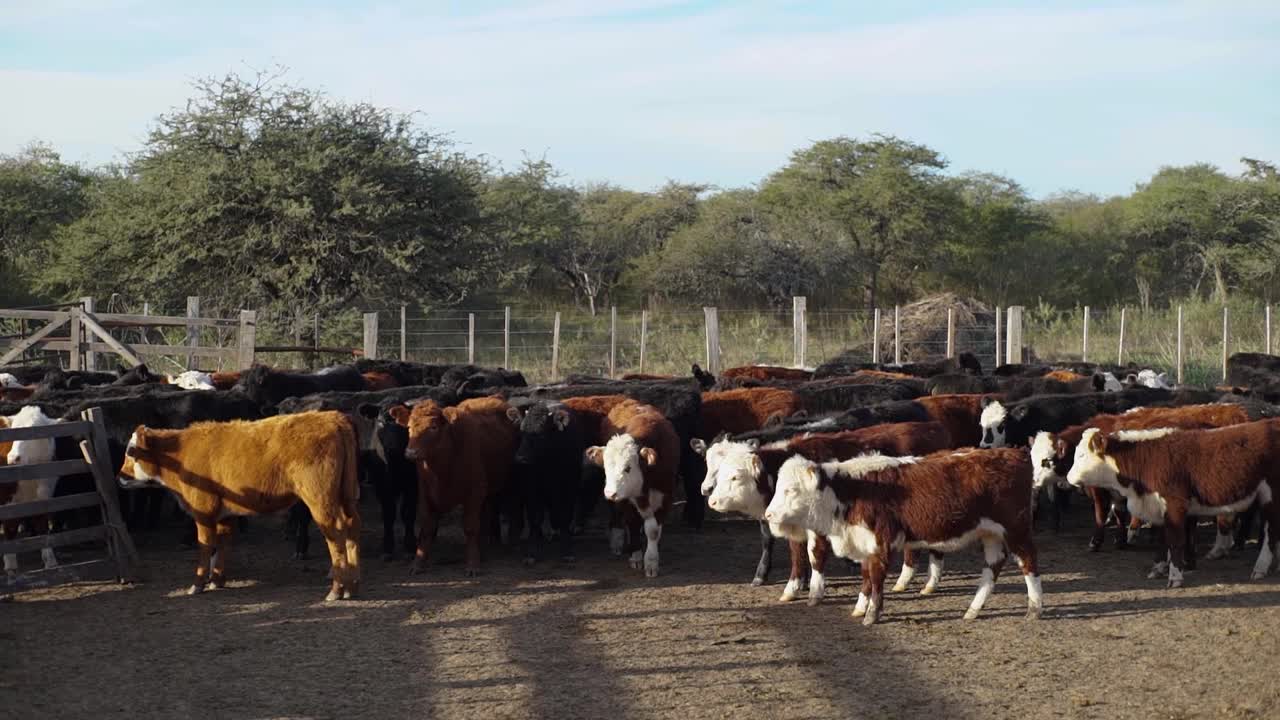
744 410
959 413
379 381
224 380
1053 454
1167 475
873 503
767 372
740 478
463 456
220 470
640 452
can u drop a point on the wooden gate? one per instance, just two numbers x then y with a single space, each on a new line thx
121 557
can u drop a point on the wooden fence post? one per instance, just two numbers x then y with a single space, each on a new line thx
1224 342
713 340
1120 352
555 348
128 562
1084 349
897 335
1013 335
644 336
404 334
951 332
998 353
370 335
315 331
1266 318
248 338
613 341
1178 358
799 330
76 329
90 359
506 336
875 335
471 338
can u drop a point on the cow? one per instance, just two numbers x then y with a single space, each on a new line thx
548 472
745 409
834 395
871 504
29 452
639 451
9 380
767 372
220 470
193 380
463 457
1052 455
846 364
394 478
1258 372
137 375
268 387
58 379
1166 475
1017 423
741 477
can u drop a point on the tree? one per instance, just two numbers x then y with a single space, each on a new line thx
885 197
996 250
38 194
262 194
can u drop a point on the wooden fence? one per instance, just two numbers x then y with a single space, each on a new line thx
122 558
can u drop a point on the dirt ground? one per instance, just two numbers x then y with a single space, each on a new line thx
595 639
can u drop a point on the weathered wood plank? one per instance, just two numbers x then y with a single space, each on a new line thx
119 543
124 319
120 349
36 314
88 571
66 429
66 537
64 345
52 505
57 468
35 338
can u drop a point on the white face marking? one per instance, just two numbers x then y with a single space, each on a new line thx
1042 456
194 380
1089 468
30 452
993 423
819 424
1110 383
9 381
141 478
622 475
732 471
797 500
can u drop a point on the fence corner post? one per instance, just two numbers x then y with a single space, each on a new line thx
506 336
370 335
248 338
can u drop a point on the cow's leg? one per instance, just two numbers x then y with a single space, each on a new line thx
635 531
993 553
766 555
1024 551
617 533
300 520
1270 546
864 592
1244 525
797 577
1189 545
218 568
652 534
908 570
10 532
1175 520
409 515
535 510
426 534
1127 529
819 551
387 501
935 573
876 567
206 537
561 511
1223 524
44 491
473 526
1101 508
351 540
335 540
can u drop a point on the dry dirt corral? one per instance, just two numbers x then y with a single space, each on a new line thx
597 640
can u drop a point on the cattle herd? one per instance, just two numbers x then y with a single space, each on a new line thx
856 459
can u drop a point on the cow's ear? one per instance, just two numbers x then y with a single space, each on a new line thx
773 421
1018 412
720 438
1098 443
698 446
1099 382
368 410
513 414
595 455
648 456
987 400
1060 447
560 418
1130 379
753 444
399 413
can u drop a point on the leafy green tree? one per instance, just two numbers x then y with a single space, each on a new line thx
38 194
996 249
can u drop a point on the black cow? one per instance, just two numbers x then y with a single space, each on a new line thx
472 378
845 364
394 478
822 396
547 473
57 379
268 387
138 375
1017 423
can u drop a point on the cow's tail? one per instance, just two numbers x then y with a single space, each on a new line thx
350 470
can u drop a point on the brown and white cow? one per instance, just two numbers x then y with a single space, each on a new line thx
744 410
219 470
1167 475
640 452
463 457
28 452
741 476
872 504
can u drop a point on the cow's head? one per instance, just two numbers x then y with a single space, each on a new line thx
994 423
801 501
623 459
1051 460
428 429
140 468
1091 466
28 452
734 478
544 429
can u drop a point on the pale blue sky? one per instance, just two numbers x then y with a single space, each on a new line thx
1090 96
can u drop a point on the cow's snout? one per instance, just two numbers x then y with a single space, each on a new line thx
411 454
768 516
15 459
611 497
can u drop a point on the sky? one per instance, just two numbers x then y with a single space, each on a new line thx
1085 96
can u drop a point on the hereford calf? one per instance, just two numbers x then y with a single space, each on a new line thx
871 504
741 475
463 457
639 459
218 470
767 372
744 410
29 452
1167 475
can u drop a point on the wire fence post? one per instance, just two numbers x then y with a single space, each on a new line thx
1084 348
613 341
1266 318
506 336
1120 352
1013 335
1179 353
897 335
875 335
998 353
644 336
471 338
555 347
1224 342
370 335
248 337
799 330
193 331
404 334
951 332
713 340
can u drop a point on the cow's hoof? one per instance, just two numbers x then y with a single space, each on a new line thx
1173 584
928 589
758 581
871 618
1033 613
333 596
418 566
1094 546
651 571
471 572
858 611
898 587
299 556
347 594
195 589
218 583
529 561
971 614
1257 575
